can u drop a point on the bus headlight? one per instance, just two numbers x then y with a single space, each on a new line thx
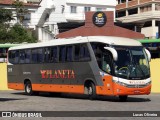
121 83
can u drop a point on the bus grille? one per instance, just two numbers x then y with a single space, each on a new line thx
136 86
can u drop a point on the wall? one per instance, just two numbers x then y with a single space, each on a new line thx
155 76
93 4
149 31
109 29
3 76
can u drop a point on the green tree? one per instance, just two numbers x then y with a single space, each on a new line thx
17 34
21 11
5 18
5 15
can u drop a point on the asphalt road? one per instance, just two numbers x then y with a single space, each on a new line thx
18 101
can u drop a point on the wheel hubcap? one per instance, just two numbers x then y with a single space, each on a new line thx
28 88
90 91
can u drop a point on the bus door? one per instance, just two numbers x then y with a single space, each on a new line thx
107 67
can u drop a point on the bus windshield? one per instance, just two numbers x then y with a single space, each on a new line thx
132 63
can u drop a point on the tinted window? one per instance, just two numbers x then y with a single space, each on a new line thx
22 56
69 53
84 53
76 52
54 55
62 53
39 55
16 59
98 49
11 56
47 54
34 56
28 55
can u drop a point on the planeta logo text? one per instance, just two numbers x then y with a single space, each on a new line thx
63 74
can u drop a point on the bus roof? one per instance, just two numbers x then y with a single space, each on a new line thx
7 45
149 41
103 39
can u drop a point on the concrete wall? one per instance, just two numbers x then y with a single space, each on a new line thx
149 31
154 65
155 75
3 76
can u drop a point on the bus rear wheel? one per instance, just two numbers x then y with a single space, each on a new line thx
123 98
28 88
91 91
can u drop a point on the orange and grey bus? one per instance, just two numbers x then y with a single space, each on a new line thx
92 65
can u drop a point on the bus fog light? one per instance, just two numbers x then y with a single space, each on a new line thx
108 85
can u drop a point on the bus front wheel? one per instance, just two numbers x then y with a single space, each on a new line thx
91 91
28 88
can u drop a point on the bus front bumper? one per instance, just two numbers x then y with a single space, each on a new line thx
122 90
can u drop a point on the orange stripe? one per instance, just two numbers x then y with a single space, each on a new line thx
16 86
100 90
59 88
50 87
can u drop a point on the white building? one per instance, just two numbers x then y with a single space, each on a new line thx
145 14
54 12
31 7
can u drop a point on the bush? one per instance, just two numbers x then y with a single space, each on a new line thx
16 34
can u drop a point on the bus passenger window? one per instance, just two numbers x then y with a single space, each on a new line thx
22 57
28 55
40 55
54 55
16 59
11 56
84 53
69 53
62 53
76 52
34 56
46 54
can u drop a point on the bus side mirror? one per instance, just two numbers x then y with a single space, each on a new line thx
114 53
148 55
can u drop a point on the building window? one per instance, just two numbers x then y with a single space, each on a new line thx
73 9
86 9
100 9
147 24
133 11
158 7
145 8
120 14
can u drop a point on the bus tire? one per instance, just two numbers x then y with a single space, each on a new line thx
28 88
91 91
123 98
